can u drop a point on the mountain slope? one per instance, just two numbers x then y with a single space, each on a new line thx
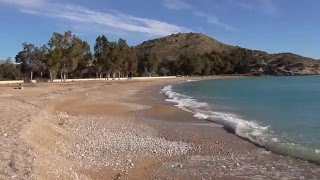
193 45
171 47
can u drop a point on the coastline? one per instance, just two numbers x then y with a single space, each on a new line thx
218 153
126 130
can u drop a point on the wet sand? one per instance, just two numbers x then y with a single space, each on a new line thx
123 130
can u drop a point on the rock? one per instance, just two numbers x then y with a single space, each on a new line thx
176 165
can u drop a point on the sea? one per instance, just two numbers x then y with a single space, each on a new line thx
280 114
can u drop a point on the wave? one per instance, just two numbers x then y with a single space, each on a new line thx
249 130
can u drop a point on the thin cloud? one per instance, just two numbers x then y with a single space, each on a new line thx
265 6
181 5
244 5
213 20
24 3
97 19
176 4
268 6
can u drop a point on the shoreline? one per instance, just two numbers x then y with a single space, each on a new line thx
232 144
190 105
123 129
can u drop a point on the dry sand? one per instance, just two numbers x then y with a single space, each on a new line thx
123 130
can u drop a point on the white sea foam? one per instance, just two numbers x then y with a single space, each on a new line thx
191 80
247 129
250 130
201 116
184 102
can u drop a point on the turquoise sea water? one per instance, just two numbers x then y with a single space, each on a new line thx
281 114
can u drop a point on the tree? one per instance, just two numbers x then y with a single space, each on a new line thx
85 64
120 55
66 51
166 67
79 54
191 65
41 55
150 63
101 54
132 62
28 59
9 71
115 58
124 59
55 55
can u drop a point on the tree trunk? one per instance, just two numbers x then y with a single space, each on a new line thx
50 74
61 76
119 75
113 75
64 76
31 75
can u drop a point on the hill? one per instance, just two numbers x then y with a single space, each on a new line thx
223 58
171 47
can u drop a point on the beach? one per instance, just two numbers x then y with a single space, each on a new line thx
124 130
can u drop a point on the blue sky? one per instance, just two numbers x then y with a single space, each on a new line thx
270 25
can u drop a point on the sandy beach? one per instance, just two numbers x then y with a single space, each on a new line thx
123 130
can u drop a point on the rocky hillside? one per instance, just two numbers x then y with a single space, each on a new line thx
286 64
192 45
171 47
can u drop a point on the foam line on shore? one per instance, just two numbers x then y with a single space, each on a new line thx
249 130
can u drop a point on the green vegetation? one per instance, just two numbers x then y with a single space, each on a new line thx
67 56
9 71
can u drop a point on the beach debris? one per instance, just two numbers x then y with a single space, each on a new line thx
179 165
20 86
